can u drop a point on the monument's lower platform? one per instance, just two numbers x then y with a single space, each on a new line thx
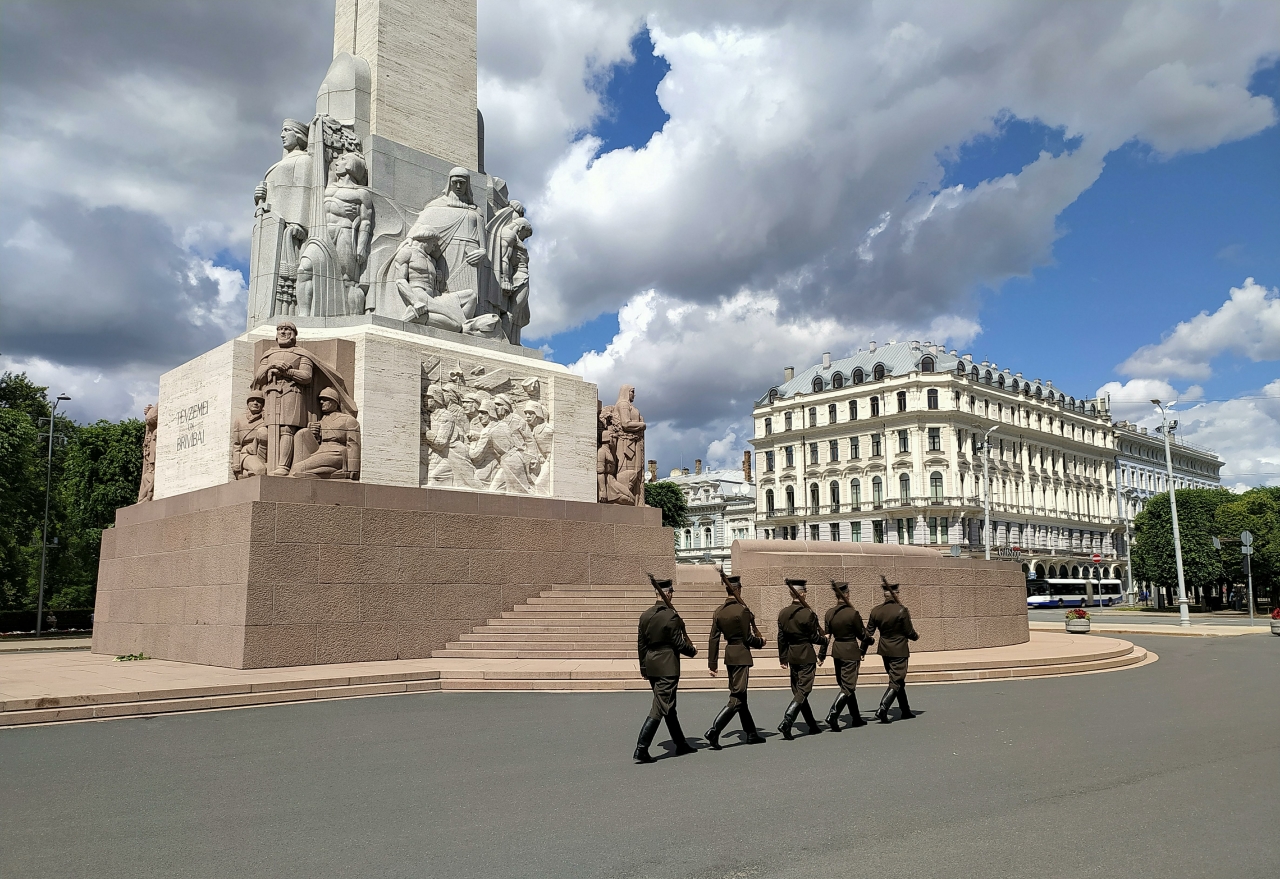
268 572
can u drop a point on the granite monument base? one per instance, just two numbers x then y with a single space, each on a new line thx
268 571
955 603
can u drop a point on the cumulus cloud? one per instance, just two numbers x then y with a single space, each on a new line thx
1246 325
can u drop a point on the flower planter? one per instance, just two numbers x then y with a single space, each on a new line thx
1275 627
1081 627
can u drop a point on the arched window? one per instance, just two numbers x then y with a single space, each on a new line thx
960 369
878 372
858 376
875 407
986 376
1039 572
1075 572
904 488
855 494
814 501
834 488
973 374
1026 390
768 501
1015 386
837 381
773 395
935 487
706 537
791 500
1053 572
877 492
1071 402
817 384
926 364
1039 392
688 539
1000 381
932 397
786 421
902 401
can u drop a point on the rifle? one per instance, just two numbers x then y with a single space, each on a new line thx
658 589
737 594
800 598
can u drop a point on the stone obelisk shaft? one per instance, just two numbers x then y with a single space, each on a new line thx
422 58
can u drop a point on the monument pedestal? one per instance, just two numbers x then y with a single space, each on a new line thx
270 571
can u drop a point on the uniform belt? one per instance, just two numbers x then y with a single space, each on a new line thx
848 640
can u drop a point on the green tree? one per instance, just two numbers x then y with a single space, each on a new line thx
1256 511
1153 551
21 505
668 497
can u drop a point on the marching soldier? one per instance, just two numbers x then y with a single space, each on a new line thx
849 637
893 621
735 621
660 641
798 631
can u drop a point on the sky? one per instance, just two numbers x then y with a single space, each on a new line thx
1084 193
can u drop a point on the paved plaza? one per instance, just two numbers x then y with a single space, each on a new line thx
1169 769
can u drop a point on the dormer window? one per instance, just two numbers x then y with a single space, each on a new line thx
926 364
878 373
837 381
858 376
817 384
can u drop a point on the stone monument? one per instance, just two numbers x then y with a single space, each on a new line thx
377 463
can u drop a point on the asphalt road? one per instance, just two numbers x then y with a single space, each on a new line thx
1117 615
1168 770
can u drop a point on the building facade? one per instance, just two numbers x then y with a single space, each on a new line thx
887 446
1141 472
722 509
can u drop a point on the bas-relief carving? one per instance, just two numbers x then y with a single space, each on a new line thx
484 431
295 389
327 244
620 451
147 488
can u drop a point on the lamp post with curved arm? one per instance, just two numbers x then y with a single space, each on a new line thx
44 538
1184 613
986 489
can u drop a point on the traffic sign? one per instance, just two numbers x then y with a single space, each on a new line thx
1096 558
1246 538
1247 550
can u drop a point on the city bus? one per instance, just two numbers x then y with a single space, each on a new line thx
1072 592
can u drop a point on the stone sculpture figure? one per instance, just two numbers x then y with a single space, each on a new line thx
453 215
628 428
147 488
285 193
446 445
420 274
285 374
606 461
333 259
539 454
249 439
513 278
338 435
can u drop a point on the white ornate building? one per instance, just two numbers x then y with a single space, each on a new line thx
1140 466
885 446
722 509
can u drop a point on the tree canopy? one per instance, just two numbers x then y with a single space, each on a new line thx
668 497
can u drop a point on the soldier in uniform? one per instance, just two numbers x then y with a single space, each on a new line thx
734 621
845 629
893 621
660 641
798 631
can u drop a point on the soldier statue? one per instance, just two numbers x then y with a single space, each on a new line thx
737 624
798 631
893 622
660 641
848 636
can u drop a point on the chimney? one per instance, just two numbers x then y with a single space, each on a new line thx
788 373
675 471
746 467
873 346
697 465
826 360
653 471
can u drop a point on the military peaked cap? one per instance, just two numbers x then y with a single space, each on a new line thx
839 587
798 584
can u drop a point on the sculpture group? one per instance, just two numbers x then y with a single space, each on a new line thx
339 248
484 431
620 451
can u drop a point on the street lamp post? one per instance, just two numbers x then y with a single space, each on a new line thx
986 490
1128 495
44 538
1184 614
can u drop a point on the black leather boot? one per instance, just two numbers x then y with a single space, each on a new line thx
833 716
788 718
749 727
882 713
717 726
855 712
814 729
907 713
646 738
677 734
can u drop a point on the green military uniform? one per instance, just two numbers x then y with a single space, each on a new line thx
797 633
660 641
893 623
733 621
848 635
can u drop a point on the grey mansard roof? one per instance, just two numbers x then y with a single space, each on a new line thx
900 358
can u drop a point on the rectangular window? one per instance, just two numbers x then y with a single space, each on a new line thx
932 397
942 529
911 530
853 410
875 445
834 449
855 532
831 413
813 453
768 426
933 529
935 439
835 532
875 407
877 530
902 531
855 451
904 443
789 455
768 462
815 532
813 416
